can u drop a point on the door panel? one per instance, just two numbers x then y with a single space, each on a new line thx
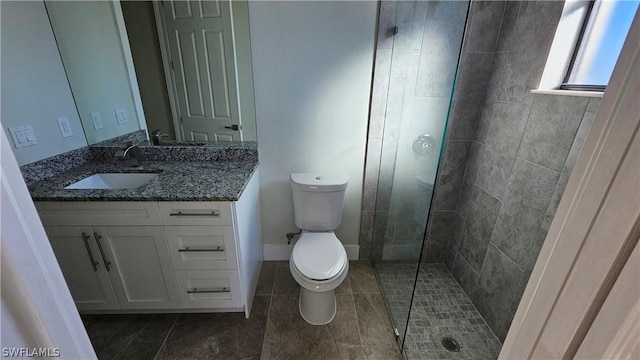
211 9
201 47
188 69
215 54
141 270
181 9
90 288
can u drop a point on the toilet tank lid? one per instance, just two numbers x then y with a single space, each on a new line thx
319 182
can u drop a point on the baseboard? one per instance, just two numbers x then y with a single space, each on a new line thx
273 252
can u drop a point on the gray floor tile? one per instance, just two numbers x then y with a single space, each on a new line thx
118 336
284 281
275 330
362 278
267 278
218 336
440 308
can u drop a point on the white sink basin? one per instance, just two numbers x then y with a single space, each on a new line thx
112 181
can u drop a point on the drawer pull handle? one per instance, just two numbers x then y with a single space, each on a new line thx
106 263
214 213
208 291
188 249
85 237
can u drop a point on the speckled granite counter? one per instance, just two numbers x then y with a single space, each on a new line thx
177 181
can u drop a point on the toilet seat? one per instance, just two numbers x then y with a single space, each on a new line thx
319 256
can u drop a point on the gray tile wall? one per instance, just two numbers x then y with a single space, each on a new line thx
522 150
507 154
481 36
413 78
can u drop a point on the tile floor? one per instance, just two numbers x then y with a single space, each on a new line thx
361 329
397 281
440 308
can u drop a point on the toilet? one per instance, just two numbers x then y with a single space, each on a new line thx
318 261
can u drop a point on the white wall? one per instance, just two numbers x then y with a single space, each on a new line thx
89 42
34 86
312 64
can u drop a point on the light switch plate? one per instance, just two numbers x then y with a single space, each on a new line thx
97 120
23 136
121 116
65 127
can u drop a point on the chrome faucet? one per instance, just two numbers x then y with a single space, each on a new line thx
131 155
155 137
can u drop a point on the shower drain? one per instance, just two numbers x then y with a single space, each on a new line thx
450 344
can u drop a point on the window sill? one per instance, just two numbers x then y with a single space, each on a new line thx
594 94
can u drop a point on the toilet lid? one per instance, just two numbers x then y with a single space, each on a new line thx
319 256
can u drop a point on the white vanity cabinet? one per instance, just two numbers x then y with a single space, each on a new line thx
108 261
158 256
81 264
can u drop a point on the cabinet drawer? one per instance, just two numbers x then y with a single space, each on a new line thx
209 288
202 247
99 212
196 213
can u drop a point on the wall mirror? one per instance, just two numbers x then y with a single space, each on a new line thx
182 68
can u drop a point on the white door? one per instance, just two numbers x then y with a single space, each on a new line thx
82 266
140 266
202 58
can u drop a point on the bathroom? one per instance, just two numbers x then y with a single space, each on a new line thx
350 87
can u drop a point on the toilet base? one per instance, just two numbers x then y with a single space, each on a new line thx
317 308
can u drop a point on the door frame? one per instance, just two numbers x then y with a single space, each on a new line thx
163 38
593 234
128 60
37 308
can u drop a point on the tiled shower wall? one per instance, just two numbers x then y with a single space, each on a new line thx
503 186
413 80
480 43
507 158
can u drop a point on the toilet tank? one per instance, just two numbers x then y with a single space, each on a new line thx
318 200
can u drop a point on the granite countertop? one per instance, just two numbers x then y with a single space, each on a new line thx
177 181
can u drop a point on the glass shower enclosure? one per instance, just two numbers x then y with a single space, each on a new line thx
419 46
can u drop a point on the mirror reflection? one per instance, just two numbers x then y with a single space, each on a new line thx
179 70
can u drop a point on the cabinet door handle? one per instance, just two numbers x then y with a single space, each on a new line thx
104 258
209 290
213 213
188 249
85 237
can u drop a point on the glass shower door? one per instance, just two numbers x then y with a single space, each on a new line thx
416 64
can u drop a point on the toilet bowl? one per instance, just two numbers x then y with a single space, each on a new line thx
318 261
319 264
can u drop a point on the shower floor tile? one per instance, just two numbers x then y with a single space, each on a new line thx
440 309
396 281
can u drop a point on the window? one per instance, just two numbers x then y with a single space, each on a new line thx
604 28
586 46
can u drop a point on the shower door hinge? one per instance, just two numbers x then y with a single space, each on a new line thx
396 333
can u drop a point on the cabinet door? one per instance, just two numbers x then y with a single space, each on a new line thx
140 269
90 286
